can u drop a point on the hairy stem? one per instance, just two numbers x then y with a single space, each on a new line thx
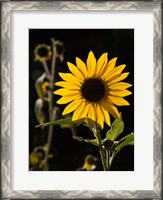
102 154
111 159
107 159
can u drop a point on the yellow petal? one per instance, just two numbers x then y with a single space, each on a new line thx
112 63
85 111
110 66
78 111
120 77
75 71
81 111
92 113
70 78
65 100
108 106
122 93
106 116
67 85
72 106
66 92
119 101
91 64
101 63
82 67
119 86
100 116
115 71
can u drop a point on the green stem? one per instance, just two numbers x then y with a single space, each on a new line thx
111 160
107 158
102 154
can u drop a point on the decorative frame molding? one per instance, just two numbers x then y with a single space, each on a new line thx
6 8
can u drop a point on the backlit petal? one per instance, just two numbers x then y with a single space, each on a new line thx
115 71
72 106
65 100
75 71
67 85
82 67
70 78
101 63
119 101
108 106
106 116
92 113
119 86
122 93
120 77
66 92
110 66
81 111
100 116
91 64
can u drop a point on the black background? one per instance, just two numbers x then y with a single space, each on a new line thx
68 153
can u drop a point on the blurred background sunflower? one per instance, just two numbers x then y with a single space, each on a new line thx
68 154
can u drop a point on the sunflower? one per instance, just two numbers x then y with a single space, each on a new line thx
42 53
93 90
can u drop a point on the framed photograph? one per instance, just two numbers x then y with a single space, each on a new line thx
81 91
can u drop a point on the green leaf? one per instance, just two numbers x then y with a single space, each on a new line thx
127 140
63 126
57 122
93 141
116 129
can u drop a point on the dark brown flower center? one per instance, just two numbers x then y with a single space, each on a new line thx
93 89
43 52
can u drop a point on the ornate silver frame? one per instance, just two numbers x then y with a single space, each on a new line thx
6 7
